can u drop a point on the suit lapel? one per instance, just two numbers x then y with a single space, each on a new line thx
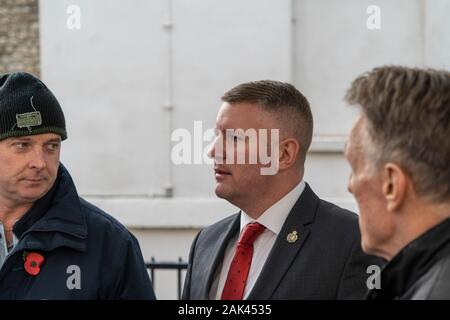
284 252
215 257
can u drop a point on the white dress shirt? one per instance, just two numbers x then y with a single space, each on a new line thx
273 219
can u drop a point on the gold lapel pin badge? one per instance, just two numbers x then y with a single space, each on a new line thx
292 237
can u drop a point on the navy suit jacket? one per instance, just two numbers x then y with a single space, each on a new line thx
325 262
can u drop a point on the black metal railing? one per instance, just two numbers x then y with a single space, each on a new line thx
179 266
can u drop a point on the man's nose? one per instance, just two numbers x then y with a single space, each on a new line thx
217 151
349 184
211 152
37 159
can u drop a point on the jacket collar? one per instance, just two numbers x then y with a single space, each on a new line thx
55 220
212 258
413 261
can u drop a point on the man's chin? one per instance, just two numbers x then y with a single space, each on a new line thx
33 195
365 247
368 247
222 191
220 194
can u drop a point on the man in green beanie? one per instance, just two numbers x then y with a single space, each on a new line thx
54 244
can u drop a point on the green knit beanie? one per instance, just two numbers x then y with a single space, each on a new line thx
27 107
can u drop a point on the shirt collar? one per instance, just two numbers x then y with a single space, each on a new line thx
274 217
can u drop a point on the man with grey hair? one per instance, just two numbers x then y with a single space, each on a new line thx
399 151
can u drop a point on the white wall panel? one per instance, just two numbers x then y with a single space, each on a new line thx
110 79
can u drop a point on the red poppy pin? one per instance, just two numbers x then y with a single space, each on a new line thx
33 263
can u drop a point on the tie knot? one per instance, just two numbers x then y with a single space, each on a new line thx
251 232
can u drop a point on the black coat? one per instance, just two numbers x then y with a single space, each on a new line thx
421 270
87 253
326 261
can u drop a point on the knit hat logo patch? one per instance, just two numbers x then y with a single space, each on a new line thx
29 119
28 107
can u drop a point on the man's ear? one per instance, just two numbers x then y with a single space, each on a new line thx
289 152
394 186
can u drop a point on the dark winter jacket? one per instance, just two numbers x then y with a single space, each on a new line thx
87 254
420 271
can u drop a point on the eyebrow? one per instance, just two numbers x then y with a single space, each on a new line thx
26 139
54 140
21 139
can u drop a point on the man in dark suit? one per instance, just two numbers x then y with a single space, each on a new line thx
285 243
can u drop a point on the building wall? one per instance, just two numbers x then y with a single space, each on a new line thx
136 71
19 36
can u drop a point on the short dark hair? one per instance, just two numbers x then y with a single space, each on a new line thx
408 116
282 99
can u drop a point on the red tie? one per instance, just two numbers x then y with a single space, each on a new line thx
242 260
